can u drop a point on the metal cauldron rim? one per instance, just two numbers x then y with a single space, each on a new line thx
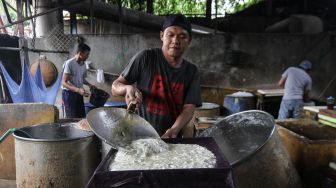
239 161
87 134
262 145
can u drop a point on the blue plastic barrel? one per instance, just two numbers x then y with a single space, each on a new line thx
115 104
236 104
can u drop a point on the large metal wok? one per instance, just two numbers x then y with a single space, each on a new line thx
242 134
255 151
118 127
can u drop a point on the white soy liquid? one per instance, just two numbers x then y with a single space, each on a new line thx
144 154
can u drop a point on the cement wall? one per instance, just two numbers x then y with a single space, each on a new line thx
250 61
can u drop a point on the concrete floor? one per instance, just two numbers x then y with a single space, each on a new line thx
7 183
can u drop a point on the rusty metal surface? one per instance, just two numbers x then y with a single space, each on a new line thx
270 167
310 157
294 144
309 128
56 164
65 159
17 116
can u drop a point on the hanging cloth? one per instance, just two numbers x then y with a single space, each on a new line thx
100 76
31 90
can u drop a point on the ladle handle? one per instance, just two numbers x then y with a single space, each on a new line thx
131 107
9 132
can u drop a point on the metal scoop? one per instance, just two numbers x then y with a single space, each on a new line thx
119 127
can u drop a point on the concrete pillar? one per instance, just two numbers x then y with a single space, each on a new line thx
47 22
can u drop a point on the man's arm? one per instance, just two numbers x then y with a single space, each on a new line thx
181 121
69 86
281 82
306 96
121 87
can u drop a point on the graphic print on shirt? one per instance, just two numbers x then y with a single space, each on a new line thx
163 100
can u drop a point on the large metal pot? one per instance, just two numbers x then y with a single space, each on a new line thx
55 155
254 150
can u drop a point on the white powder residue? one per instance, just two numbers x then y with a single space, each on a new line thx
242 94
145 154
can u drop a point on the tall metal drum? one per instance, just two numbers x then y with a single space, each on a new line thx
55 155
254 150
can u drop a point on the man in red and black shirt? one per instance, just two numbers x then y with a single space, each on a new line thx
165 86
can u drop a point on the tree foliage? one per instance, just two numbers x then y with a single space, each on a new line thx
239 5
11 12
188 7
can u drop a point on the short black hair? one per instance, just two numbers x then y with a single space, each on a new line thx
83 48
177 20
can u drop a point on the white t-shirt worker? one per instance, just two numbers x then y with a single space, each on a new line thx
297 84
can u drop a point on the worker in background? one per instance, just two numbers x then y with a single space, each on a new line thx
73 81
297 84
164 85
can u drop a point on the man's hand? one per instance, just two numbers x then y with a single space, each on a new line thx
82 92
120 87
170 133
92 86
133 95
181 121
